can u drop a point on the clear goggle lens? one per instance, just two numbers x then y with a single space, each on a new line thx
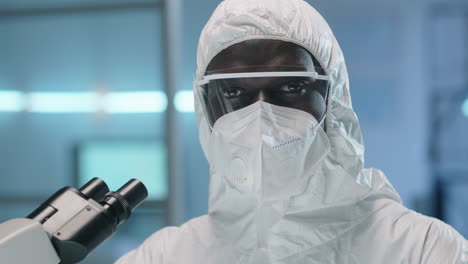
222 93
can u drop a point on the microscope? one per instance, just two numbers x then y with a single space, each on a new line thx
70 224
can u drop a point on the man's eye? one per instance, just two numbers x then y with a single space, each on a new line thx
293 87
233 92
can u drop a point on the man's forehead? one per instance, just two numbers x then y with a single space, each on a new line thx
251 53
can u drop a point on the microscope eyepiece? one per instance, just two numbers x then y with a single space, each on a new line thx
134 192
95 189
120 203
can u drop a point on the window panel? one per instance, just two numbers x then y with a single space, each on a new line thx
118 50
10 4
118 161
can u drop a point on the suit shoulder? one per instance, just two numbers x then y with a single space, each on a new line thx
171 234
160 244
443 244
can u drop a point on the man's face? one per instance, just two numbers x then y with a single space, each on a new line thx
303 93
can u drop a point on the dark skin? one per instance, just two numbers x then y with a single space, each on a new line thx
302 93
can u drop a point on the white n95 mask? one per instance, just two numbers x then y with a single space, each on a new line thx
267 151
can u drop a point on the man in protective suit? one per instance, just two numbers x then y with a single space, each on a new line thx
286 155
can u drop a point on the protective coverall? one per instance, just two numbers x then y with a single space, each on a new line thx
333 210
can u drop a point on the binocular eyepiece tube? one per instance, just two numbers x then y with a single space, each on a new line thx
87 216
119 203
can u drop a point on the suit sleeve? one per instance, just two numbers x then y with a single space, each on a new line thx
152 250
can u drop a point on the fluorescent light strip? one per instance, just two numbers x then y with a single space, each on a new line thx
465 107
11 101
135 102
183 101
62 102
89 102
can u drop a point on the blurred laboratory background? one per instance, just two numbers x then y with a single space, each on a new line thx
104 89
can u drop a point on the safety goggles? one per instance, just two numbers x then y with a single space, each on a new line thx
222 93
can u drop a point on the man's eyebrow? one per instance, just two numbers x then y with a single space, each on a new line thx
232 82
267 81
281 80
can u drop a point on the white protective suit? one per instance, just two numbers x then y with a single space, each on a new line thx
338 212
